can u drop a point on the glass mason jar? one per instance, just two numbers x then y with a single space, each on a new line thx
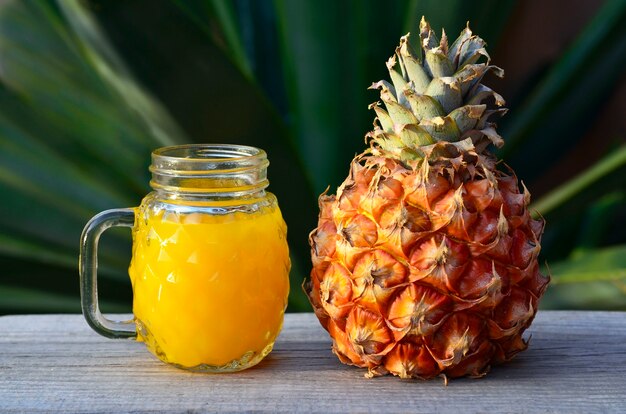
210 263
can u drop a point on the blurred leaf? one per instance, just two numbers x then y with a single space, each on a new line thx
23 248
214 102
566 191
87 89
599 218
590 279
105 138
97 51
612 275
589 296
18 300
75 138
202 12
57 281
609 262
311 35
570 93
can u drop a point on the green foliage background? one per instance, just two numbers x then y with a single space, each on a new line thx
89 88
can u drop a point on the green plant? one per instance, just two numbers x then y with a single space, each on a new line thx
88 89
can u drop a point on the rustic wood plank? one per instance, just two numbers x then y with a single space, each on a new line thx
55 363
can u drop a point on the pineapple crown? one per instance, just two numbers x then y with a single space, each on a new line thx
436 98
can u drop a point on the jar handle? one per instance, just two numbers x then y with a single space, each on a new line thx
88 269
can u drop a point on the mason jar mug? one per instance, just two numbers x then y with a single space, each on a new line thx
210 262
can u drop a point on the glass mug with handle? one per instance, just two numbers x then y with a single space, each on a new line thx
210 263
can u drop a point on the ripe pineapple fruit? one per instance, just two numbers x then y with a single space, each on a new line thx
425 262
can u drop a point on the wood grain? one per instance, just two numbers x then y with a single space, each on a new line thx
55 363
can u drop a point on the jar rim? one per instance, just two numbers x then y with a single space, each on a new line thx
224 171
208 153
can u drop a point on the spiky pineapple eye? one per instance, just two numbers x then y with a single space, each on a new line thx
415 219
456 338
336 290
417 310
390 189
324 239
439 251
410 360
367 331
360 231
380 268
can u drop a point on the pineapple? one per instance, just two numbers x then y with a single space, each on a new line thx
425 261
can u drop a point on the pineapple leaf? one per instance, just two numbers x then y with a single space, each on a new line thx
466 117
414 70
472 74
413 136
482 93
438 64
399 114
454 52
428 36
471 51
446 91
424 106
442 129
490 16
383 117
399 83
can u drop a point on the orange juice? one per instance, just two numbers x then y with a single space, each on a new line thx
210 290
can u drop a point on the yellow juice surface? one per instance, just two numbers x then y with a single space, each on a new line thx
210 290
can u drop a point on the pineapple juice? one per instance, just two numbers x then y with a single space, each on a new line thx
210 290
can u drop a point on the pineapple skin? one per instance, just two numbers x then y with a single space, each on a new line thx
421 273
425 261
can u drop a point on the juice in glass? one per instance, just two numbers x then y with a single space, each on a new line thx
210 290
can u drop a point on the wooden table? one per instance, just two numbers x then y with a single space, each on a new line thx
576 363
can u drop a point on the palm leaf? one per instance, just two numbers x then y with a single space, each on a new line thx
591 279
569 94
70 145
558 196
216 102
203 12
87 90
